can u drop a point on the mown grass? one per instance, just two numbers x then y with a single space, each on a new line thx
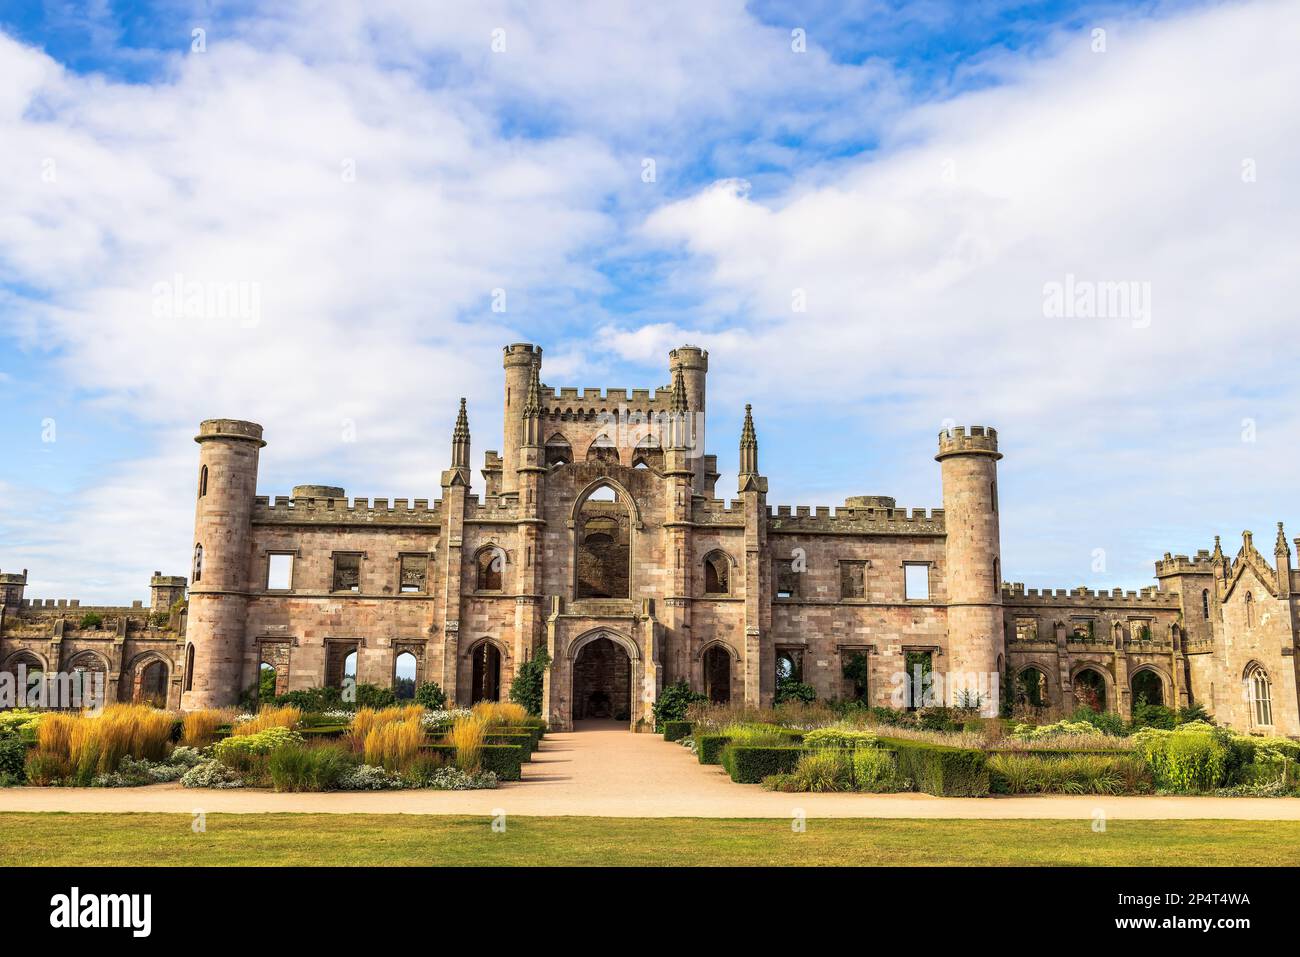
390 839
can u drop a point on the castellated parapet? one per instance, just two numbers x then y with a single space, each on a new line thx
610 549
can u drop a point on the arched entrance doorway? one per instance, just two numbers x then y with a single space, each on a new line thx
486 684
717 675
602 682
1090 689
150 685
1148 688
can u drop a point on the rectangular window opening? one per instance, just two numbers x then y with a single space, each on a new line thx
916 582
279 572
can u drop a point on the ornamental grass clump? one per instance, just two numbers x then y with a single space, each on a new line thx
1069 774
82 746
199 728
840 737
304 768
824 770
501 713
393 745
287 716
467 737
367 720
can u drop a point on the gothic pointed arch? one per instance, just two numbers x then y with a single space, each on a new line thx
558 451
717 567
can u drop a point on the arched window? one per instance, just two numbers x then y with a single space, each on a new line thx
604 548
1090 689
603 449
1259 692
1031 688
203 481
1205 604
1250 610
404 669
717 573
648 454
491 564
198 563
1148 688
558 451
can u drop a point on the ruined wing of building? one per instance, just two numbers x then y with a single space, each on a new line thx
599 539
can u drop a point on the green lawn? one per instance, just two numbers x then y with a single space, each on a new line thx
316 839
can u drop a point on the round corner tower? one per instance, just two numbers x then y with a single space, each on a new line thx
218 609
519 359
694 363
973 555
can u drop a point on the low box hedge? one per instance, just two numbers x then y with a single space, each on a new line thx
750 765
939 769
522 740
506 760
708 747
676 730
534 733
324 731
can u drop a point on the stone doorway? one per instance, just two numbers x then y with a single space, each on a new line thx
717 675
487 673
602 682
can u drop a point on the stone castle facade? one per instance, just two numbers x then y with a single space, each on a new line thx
599 538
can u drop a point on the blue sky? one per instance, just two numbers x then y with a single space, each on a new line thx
917 175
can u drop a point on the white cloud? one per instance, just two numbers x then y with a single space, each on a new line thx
928 287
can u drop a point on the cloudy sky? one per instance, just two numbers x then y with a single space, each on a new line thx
870 217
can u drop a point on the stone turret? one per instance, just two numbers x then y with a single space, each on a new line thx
11 589
520 360
228 454
692 363
973 555
165 591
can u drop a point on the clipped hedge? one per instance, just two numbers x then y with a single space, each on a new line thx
676 730
941 770
708 747
521 740
324 731
750 765
505 760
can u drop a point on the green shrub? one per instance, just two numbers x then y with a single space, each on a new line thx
875 770
788 689
431 695
374 696
941 770
842 738
937 718
295 768
1196 757
749 765
504 760
313 699
1108 722
526 687
676 730
521 740
824 769
91 619
1195 712
13 757
241 751
673 702
1153 716
892 717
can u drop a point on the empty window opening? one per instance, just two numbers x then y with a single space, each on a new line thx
603 547
413 574
491 564
347 572
717 574
853 579
916 582
404 676
279 572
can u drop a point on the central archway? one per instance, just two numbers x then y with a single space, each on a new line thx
602 681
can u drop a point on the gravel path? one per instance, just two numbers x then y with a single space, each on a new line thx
606 771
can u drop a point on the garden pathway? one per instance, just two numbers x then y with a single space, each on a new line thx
604 770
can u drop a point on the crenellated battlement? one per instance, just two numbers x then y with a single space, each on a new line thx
968 440
1200 564
286 510
850 519
1014 593
571 404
